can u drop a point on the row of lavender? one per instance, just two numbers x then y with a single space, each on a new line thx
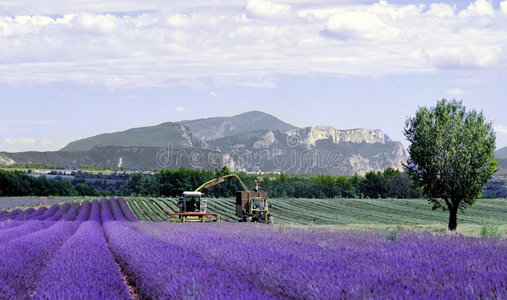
61 252
99 258
64 260
100 211
248 261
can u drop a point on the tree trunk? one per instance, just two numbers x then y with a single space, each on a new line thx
453 216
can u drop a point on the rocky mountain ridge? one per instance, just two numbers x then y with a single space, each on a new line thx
310 135
274 151
247 146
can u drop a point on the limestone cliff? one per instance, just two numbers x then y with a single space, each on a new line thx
310 135
235 142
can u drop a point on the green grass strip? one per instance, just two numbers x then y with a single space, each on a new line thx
152 204
136 210
167 210
146 211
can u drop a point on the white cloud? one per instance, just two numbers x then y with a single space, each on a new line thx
266 9
358 24
479 7
148 44
25 141
500 129
93 23
455 91
456 57
182 109
503 7
441 10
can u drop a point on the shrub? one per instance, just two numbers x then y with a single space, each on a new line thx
490 228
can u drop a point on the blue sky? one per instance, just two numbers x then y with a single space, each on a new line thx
71 69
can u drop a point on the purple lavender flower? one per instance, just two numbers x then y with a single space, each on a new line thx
25 214
163 271
116 210
72 212
344 263
129 215
95 212
10 215
48 213
23 258
84 212
82 268
62 210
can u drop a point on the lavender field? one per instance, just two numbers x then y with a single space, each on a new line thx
99 250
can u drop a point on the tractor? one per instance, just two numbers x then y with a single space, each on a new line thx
253 207
192 206
250 206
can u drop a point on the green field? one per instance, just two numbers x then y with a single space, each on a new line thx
411 214
403 214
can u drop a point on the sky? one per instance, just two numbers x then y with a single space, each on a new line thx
73 69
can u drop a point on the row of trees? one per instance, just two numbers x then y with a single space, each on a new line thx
495 188
172 183
17 183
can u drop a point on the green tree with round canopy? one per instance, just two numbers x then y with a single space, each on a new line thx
451 155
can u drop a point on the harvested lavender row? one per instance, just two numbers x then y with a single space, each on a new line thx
23 258
162 271
15 201
126 210
72 213
83 268
410 267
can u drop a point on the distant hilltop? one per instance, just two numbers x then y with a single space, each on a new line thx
218 127
250 142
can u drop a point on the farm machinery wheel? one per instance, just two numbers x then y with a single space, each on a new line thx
271 220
